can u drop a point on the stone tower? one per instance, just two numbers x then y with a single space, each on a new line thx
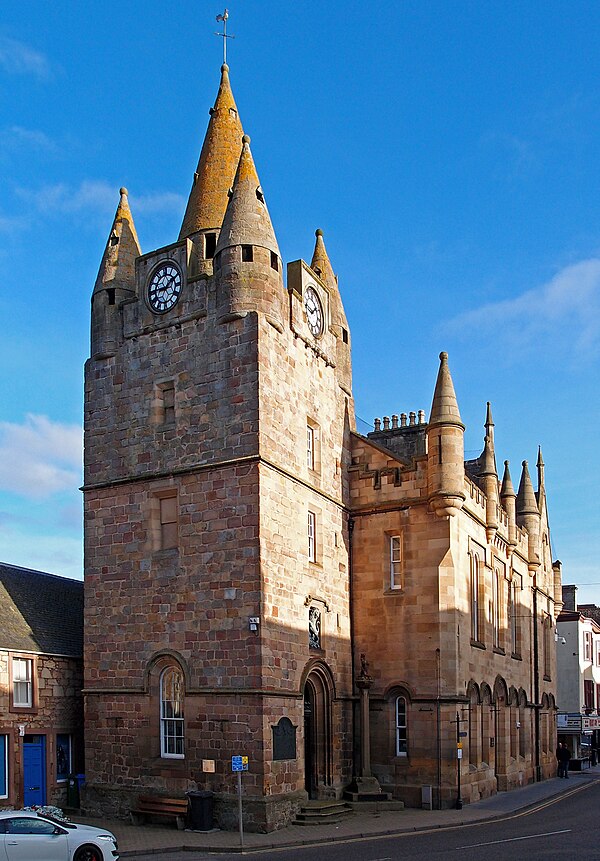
218 416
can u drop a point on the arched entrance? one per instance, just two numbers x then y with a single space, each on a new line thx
317 732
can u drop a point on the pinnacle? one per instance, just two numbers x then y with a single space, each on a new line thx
217 164
444 408
507 485
321 264
526 501
117 268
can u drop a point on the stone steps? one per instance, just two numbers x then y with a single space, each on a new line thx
322 812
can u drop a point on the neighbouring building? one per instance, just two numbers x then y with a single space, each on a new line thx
262 580
578 668
41 677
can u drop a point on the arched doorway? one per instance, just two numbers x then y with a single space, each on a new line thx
317 732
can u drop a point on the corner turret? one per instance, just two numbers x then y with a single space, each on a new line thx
528 516
445 447
508 498
338 323
489 476
247 259
115 281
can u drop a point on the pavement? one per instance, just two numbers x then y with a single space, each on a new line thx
165 839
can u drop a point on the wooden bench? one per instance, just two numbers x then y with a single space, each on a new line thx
157 806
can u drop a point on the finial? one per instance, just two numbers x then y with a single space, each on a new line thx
443 357
123 192
246 139
318 232
540 460
225 36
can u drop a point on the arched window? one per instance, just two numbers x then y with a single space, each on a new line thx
172 728
401 727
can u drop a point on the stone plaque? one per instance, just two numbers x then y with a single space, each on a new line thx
284 740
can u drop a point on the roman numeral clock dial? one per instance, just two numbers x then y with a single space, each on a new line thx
314 312
164 288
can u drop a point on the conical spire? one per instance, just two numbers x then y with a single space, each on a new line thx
540 469
487 459
489 423
117 268
444 408
526 501
247 220
217 164
321 264
507 485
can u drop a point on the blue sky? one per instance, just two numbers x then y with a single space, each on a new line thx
448 150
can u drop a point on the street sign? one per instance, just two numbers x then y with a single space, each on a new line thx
239 763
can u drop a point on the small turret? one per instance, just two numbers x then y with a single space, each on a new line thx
445 447
509 497
247 259
338 323
115 281
528 516
489 476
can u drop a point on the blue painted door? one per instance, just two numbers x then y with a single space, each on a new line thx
34 770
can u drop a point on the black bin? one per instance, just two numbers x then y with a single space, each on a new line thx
201 810
72 791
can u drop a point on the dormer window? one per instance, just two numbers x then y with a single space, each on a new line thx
247 254
260 195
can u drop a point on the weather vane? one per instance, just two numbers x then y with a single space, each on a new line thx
224 35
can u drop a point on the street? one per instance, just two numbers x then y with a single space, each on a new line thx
563 829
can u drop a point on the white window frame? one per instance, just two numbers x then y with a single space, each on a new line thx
172 722
22 683
587 646
401 733
396 556
310 447
312 536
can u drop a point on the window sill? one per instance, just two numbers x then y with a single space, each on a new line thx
477 644
547 678
394 590
498 650
516 656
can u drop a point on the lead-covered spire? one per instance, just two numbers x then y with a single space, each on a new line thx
217 164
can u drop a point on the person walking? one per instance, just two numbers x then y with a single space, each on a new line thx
564 760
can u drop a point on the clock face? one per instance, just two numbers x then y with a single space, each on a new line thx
164 288
314 311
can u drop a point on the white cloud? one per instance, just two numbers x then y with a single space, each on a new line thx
17 137
563 314
16 58
98 196
39 458
160 202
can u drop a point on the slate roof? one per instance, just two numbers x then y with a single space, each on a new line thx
40 612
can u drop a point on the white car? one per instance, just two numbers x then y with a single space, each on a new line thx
29 836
